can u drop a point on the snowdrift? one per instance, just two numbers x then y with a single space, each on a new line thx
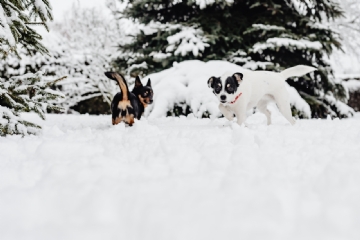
184 86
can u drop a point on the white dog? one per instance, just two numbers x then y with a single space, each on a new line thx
240 92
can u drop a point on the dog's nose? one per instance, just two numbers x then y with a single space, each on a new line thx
222 97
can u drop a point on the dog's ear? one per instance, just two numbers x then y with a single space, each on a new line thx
238 76
148 83
211 82
138 82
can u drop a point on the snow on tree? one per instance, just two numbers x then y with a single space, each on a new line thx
30 92
16 18
98 37
349 26
27 93
271 35
353 87
80 47
345 61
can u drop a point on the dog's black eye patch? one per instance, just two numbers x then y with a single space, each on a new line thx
217 85
231 85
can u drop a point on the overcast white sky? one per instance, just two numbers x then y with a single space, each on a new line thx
61 6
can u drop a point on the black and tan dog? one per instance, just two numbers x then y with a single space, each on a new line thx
126 105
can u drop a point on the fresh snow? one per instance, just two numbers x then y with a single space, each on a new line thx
5 31
273 43
181 178
41 7
266 27
187 40
204 3
352 85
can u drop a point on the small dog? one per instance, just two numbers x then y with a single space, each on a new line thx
126 106
240 92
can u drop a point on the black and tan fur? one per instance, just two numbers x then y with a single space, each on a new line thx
126 105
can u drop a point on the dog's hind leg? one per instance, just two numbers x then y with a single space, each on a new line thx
262 107
283 103
229 115
116 120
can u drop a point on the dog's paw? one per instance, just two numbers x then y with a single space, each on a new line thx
229 117
292 122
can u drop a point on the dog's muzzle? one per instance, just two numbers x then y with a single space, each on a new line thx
223 99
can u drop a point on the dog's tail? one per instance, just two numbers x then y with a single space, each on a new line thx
297 71
122 83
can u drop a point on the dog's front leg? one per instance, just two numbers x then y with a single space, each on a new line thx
240 112
226 112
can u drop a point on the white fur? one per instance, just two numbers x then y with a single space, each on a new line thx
258 88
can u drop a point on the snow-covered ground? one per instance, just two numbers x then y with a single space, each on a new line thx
182 178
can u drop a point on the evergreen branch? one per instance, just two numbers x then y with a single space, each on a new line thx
52 83
35 23
28 93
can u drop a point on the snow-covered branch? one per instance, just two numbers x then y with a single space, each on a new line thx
15 18
27 93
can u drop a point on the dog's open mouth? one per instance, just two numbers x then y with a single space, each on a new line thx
223 101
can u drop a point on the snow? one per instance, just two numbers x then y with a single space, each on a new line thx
186 84
346 60
266 27
187 40
5 31
300 6
181 178
273 43
297 101
352 85
84 66
13 122
40 5
204 3
342 108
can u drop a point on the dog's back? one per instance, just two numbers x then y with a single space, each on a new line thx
124 103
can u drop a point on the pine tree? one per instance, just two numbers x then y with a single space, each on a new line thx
16 19
261 34
30 92
27 93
